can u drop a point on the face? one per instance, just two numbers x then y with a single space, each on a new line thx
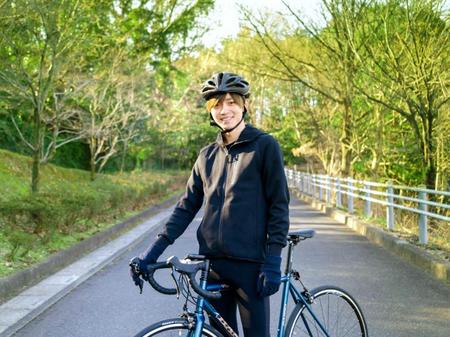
227 113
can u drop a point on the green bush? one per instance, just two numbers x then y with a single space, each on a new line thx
69 207
66 209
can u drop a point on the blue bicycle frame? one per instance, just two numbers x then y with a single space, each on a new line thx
203 304
288 289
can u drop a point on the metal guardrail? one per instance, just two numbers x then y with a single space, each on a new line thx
323 187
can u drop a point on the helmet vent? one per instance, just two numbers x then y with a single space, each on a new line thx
223 83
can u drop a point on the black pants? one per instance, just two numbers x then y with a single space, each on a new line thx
254 310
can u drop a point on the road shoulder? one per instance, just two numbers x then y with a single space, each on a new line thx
24 307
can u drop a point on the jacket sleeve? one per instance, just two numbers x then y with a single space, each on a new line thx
277 197
187 206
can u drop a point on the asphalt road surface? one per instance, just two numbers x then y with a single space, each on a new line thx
398 299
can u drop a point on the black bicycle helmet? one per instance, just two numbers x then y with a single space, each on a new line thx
221 83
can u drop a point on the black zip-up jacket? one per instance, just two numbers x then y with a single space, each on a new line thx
246 199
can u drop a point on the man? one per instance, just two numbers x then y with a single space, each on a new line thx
240 179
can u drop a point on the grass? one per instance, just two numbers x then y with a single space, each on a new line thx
407 228
69 207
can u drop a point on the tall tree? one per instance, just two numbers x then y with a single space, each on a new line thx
35 38
407 61
327 67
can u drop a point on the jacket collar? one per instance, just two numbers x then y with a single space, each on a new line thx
248 134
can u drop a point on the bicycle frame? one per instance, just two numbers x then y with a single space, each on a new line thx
290 289
287 289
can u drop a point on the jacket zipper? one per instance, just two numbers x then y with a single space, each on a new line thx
222 198
224 186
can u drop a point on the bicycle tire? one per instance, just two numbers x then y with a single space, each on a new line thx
330 305
175 327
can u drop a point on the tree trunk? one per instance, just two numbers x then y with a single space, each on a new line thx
378 146
428 150
346 151
430 168
92 164
430 175
35 170
92 158
124 154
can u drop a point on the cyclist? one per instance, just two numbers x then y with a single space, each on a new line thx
241 182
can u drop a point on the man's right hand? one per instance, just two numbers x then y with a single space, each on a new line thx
138 269
138 265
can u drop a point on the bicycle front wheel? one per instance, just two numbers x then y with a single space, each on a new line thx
335 309
176 327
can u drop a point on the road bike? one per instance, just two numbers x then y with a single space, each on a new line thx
326 311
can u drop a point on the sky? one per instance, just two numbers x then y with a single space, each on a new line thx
225 15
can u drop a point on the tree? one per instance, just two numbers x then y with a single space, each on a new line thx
45 45
321 59
406 58
35 38
108 106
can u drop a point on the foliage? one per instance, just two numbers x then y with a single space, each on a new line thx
36 37
406 60
343 100
59 56
113 86
69 203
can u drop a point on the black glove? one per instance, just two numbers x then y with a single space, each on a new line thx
269 279
138 265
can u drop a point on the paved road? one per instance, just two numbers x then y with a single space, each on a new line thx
398 299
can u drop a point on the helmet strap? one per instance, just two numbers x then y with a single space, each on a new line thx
234 127
212 122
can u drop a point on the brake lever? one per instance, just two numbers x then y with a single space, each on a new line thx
135 268
172 269
141 286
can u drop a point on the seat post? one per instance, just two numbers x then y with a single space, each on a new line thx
289 257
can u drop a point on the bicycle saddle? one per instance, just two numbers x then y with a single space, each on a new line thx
301 234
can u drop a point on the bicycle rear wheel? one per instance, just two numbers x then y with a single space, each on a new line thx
337 311
176 327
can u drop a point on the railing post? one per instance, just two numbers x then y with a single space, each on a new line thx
316 188
423 233
313 185
302 182
329 190
390 207
338 193
320 188
349 195
367 205
309 184
305 183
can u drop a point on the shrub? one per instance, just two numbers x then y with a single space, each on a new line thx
64 210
